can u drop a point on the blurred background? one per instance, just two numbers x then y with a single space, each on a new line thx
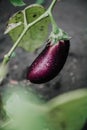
70 15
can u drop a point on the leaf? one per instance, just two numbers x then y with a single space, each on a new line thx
68 111
26 111
36 35
17 2
39 1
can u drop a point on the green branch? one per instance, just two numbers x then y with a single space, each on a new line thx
52 5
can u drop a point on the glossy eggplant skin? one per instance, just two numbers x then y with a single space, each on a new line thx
49 62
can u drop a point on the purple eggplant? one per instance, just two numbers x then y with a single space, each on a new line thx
49 62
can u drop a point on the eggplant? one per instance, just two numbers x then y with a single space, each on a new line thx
49 62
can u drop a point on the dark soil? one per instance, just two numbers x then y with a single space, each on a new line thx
71 17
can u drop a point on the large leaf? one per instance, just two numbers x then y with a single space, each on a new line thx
68 111
36 35
17 2
25 110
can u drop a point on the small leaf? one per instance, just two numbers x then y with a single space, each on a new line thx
13 55
68 111
34 36
39 1
17 2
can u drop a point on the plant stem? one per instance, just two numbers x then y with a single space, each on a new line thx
57 33
52 5
55 28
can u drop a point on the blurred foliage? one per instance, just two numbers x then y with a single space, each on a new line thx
68 111
27 111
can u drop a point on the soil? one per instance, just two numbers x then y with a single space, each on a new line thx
71 16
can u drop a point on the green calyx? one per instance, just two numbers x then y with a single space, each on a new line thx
59 35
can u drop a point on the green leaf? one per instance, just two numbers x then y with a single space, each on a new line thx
39 1
36 35
25 110
68 111
17 2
